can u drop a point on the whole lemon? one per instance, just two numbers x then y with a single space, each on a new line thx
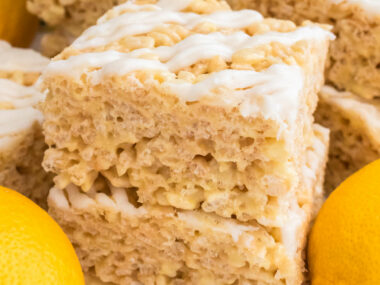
344 245
33 248
17 26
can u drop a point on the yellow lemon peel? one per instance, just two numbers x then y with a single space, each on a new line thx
344 246
33 248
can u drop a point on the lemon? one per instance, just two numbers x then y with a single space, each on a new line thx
344 246
33 248
17 26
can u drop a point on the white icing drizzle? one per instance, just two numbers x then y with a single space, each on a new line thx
16 110
17 95
271 93
145 21
18 59
186 52
110 62
127 66
199 46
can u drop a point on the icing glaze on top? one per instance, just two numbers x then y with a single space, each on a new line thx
271 93
110 62
18 96
16 110
185 53
18 59
201 46
141 22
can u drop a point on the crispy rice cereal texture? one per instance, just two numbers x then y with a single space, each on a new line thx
123 242
21 140
354 63
207 113
355 133
69 18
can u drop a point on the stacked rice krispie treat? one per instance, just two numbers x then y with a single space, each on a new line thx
183 143
21 140
353 66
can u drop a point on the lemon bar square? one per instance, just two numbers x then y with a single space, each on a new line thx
354 58
207 111
355 132
21 140
121 241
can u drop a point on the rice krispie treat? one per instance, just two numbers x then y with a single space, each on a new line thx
124 242
178 111
67 19
355 132
21 140
196 111
354 63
